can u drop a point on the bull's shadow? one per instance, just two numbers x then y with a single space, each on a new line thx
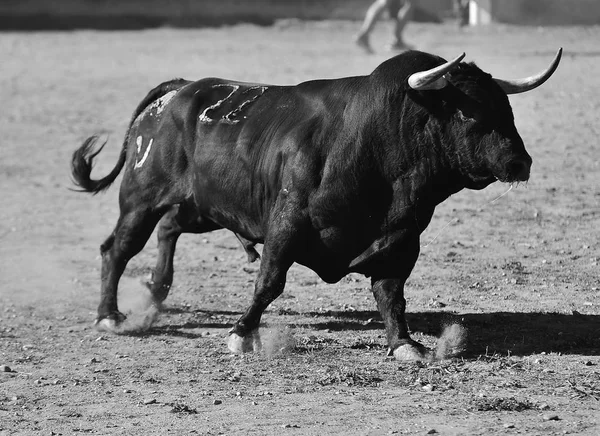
501 333
204 319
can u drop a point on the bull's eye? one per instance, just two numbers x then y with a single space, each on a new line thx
464 117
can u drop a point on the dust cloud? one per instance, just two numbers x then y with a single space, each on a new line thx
136 302
277 340
451 342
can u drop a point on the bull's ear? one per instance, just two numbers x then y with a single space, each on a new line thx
528 83
433 78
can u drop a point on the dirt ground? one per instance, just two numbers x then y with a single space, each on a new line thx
520 273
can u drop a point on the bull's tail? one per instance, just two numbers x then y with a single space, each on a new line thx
83 158
82 163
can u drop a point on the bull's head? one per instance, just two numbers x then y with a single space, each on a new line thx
480 121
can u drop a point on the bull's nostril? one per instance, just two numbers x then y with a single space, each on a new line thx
518 169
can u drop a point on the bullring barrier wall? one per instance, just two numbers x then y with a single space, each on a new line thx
543 12
125 14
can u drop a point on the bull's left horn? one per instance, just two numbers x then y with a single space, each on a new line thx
434 78
529 83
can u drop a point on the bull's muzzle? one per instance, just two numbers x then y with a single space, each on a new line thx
518 169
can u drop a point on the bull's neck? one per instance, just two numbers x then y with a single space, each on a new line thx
416 161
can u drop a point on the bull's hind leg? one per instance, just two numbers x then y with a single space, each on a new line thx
175 222
169 230
127 239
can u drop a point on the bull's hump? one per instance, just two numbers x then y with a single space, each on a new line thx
227 102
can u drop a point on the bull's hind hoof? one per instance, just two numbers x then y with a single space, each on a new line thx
110 324
159 292
410 353
246 344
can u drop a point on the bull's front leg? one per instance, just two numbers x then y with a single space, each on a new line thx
277 257
389 294
244 336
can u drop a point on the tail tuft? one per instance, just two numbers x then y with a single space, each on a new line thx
82 163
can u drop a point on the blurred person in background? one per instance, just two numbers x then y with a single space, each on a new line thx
400 11
461 11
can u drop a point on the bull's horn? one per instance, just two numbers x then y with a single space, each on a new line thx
529 83
434 78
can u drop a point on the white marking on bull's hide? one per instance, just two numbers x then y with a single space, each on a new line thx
160 103
145 156
138 141
156 107
228 118
203 116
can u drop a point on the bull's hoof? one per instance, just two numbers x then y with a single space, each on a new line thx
411 353
246 344
159 292
110 323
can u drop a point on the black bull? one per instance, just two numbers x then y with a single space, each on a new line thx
338 175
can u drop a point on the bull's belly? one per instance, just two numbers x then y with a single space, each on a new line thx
227 194
327 259
235 220
329 269
231 209
328 252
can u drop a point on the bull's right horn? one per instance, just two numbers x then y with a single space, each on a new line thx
527 84
434 78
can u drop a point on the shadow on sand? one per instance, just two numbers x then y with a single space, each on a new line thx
502 333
